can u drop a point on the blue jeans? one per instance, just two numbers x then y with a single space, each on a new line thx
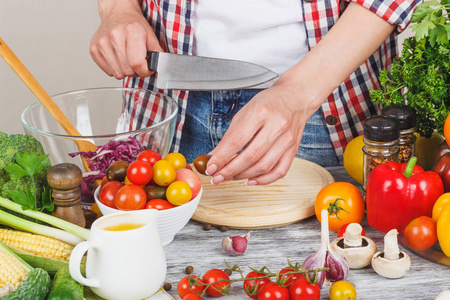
209 114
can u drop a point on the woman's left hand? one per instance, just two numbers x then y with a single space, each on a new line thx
270 127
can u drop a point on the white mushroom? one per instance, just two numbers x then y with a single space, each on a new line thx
357 250
391 263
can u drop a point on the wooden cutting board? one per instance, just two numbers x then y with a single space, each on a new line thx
283 202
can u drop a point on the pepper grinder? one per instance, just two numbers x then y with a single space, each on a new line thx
65 180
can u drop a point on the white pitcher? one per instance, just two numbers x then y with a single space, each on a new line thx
125 264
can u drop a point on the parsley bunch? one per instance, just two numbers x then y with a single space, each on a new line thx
420 76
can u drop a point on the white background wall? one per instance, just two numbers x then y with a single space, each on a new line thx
51 38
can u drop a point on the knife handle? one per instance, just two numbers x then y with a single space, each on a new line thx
152 59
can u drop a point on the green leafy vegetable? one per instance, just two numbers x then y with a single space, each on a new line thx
420 76
29 164
10 146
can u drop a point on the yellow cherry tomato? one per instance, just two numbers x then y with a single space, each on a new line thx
178 193
163 173
176 159
342 290
439 205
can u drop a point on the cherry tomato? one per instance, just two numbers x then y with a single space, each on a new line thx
214 275
344 227
178 193
272 291
163 173
344 203
200 163
342 290
155 192
421 234
102 184
290 277
130 197
447 129
117 170
253 287
192 296
177 160
301 289
183 286
191 178
159 204
139 172
149 156
439 206
108 192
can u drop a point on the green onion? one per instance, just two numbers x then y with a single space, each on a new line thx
70 233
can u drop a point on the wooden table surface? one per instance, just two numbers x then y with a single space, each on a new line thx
273 246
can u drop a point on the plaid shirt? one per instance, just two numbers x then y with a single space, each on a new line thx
349 103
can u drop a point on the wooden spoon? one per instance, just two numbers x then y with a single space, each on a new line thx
15 64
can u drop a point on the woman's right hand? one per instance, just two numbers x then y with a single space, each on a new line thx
120 44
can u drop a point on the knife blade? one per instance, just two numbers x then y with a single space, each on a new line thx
433 254
197 73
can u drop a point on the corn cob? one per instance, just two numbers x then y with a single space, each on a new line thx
36 244
12 270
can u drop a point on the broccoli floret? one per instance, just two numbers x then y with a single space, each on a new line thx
9 147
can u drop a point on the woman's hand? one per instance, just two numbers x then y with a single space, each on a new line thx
120 44
270 127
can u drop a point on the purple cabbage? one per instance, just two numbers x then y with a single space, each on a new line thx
126 150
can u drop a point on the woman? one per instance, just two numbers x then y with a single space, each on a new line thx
331 53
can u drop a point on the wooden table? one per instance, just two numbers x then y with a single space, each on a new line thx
272 247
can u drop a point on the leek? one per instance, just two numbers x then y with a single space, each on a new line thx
68 232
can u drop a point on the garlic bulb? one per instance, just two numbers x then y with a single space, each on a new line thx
235 245
327 258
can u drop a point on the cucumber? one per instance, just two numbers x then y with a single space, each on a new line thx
64 287
35 286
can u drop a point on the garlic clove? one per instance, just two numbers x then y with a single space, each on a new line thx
327 258
235 245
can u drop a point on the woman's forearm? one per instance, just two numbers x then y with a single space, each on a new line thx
106 7
354 37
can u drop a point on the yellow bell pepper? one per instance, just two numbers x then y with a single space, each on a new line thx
441 213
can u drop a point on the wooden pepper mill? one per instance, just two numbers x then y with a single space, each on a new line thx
65 180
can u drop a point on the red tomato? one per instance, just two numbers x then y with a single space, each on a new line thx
130 197
191 178
108 192
421 234
149 156
183 286
290 277
253 287
192 296
102 184
159 204
344 227
139 172
301 289
214 275
272 291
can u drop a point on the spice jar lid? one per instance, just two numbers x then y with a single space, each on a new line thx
381 128
405 114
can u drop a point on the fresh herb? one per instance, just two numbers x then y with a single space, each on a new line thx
28 164
420 76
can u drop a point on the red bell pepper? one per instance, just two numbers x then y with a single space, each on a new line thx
398 193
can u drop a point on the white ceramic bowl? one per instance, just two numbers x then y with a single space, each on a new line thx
170 221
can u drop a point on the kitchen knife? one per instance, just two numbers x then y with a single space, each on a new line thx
186 72
433 254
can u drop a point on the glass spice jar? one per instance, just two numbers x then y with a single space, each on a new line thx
381 138
406 115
